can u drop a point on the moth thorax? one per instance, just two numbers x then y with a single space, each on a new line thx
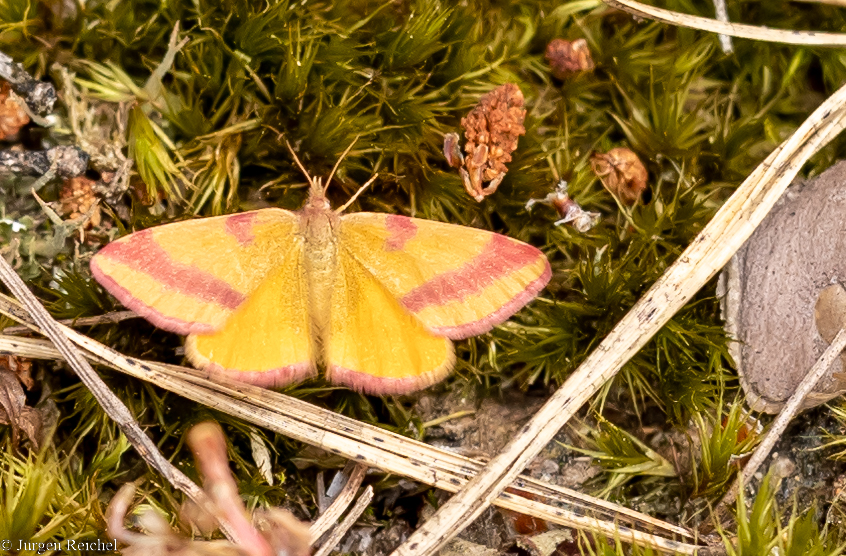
321 262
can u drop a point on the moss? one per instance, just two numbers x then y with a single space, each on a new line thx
205 122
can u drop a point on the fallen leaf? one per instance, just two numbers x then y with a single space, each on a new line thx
261 455
12 400
21 367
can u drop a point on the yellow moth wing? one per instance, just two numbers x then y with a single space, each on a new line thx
268 340
266 295
458 281
191 276
373 344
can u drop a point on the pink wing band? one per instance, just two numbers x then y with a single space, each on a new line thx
501 257
379 386
141 252
401 229
240 226
497 317
164 322
272 378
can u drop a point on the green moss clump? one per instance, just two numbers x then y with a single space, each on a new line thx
201 95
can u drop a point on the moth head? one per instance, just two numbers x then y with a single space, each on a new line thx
317 191
317 195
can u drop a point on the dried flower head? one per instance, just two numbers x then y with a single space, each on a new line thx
622 173
566 58
567 208
12 116
271 531
491 130
78 197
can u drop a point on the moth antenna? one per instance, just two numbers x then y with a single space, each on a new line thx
311 181
357 193
345 153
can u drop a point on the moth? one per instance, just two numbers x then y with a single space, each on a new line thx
269 296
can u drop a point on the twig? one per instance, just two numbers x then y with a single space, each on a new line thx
790 409
113 317
110 403
341 530
363 443
722 15
64 162
444 418
702 259
38 95
841 3
334 511
732 29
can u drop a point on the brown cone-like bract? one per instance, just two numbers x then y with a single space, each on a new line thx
491 130
568 57
77 197
12 116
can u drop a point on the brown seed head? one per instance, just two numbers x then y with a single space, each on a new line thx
12 116
497 122
77 197
566 58
622 173
491 130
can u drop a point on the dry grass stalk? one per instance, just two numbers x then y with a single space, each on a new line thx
365 443
738 30
704 257
722 15
841 3
342 528
709 252
114 316
328 518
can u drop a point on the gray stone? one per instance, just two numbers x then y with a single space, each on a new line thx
770 288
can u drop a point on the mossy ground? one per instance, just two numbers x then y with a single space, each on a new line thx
398 75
